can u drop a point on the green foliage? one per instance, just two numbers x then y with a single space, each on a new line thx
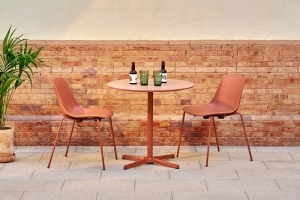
16 63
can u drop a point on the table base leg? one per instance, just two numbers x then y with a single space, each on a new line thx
141 160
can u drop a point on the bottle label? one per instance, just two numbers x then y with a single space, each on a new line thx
164 78
133 78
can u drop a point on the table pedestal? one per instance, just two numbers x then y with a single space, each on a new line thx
150 159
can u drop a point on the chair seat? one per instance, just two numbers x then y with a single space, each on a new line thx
213 108
70 109
225 102
81 112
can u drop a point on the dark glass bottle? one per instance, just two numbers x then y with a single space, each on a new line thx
133 74
163 72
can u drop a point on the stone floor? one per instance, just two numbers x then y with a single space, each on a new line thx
274 174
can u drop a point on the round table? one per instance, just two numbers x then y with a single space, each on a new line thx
171 85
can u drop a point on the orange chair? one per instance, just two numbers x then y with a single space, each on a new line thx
71 110
225 103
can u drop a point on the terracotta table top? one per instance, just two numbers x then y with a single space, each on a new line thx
171 85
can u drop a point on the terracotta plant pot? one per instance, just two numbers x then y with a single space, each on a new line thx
6 145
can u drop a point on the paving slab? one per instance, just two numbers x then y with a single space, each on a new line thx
99 185
236 164
273 195
292 184
35 165
28 156
185 149
57 157
241 185
42 149
170 185
202 156
135 195
135 175
226 148
283 165
205 173
67 174
59 195
280 149
11 195
16 174
268 174
264 156
211 195
188 164
295 155
16 185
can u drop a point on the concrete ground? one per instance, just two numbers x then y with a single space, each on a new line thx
274 174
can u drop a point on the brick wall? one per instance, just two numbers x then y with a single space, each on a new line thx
270 101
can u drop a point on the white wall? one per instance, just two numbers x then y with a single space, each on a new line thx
152 19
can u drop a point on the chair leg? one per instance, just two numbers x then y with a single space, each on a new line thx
55 141
113 136
100 141
208 139
216 135
242 119
66 154
180 134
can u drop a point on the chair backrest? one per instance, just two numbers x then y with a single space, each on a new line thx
230 90
65 98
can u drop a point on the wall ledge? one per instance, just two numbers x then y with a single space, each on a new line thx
161 42
160 118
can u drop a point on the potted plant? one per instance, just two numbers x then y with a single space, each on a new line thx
17 60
